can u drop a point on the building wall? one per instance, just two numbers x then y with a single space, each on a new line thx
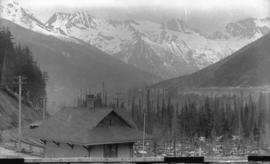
52 150
96 151
63 150
125 150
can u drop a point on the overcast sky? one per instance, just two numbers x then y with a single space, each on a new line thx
207 15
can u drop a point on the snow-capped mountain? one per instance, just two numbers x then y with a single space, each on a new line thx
247 67
12 11
248 28
109 36
167 49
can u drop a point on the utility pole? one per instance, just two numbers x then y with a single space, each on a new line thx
20 83
143 132
173 129
44 99
44 108
3 71
20 112
103 93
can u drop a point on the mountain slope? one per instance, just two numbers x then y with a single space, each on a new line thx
74 66
249 66
167 49
9 112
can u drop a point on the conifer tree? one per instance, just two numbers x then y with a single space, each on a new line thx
18 60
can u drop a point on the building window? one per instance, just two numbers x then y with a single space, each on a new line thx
110 150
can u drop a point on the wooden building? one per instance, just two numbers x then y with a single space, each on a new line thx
88 132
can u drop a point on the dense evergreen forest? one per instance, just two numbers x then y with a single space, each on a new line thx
231 121
17 60
222 124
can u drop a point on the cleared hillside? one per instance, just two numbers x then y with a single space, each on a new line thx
9 112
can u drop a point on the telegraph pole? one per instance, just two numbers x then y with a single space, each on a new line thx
20 112
3 71
20 83
173 129
143 132
103 93
45 78
44 108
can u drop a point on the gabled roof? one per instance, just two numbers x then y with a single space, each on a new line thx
78 126
112 134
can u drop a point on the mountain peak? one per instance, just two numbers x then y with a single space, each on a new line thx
172 45
79 18
248 27
248 66
12 10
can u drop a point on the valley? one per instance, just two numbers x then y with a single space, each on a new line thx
193 92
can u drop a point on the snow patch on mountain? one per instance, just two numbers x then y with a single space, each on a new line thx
168 49
12 11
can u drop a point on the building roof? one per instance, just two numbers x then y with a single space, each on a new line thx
79 126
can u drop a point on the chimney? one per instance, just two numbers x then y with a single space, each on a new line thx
90 99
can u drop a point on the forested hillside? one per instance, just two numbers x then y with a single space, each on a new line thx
72 67
17 60
213 123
